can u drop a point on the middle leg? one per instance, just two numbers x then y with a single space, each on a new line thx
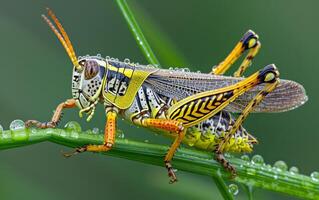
171 126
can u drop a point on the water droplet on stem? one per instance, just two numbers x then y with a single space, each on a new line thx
281 165
233 189
73 126
17 125
95 130
294 170
245 158
257 159
315 176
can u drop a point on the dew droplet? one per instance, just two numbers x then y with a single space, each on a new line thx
281 165
233 188
17 128
187 70
73 126
315 176
1 129
17 125
95 130
227 155
126 60
294 170
146 141
120 134
257 159
245 158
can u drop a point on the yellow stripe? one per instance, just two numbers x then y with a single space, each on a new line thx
181 113
194 112
220 96
188 112
175 113
189 118
210 104
202 108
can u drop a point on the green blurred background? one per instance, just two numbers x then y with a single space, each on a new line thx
36 75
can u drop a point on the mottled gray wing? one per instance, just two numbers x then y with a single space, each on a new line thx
180 84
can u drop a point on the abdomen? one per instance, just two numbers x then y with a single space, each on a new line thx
205 135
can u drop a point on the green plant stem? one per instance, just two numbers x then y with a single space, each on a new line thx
137 32
221 185
249 191
198 162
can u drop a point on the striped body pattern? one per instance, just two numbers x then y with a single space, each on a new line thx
192 108
112 84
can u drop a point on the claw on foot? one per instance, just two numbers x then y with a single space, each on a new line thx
227 166
41 125
171 172
76 151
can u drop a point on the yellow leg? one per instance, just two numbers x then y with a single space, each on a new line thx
171 126
248 42
70 103
250 106
248 60
201 106
109 137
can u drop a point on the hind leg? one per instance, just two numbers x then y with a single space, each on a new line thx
248 42
271 81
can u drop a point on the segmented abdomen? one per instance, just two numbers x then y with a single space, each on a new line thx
204 135
207 134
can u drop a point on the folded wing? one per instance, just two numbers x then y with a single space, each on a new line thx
180 84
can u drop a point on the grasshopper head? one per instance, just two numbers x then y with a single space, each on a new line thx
87 80
88 72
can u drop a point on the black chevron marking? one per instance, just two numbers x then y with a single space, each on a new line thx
203 107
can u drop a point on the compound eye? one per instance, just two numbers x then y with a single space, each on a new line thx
91 69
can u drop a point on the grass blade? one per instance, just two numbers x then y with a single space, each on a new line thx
165 49
137 32
221 185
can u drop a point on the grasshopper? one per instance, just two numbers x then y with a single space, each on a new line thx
192 108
